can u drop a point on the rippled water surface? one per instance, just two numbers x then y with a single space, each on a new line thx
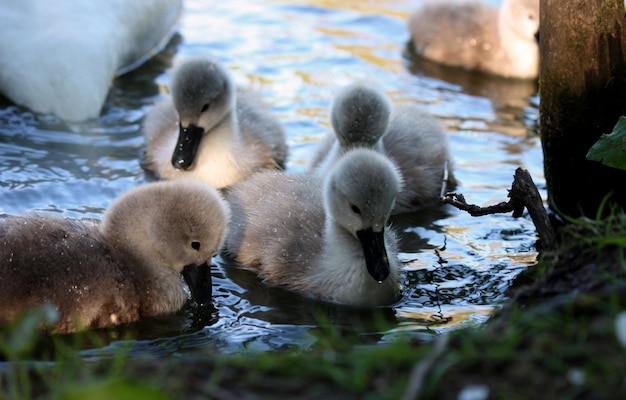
296 55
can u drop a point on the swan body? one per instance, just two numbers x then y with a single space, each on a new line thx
322 237
60 57
480 37
125 268
210 130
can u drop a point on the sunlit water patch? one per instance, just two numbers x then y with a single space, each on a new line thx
296 55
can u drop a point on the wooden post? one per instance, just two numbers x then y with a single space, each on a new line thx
582 90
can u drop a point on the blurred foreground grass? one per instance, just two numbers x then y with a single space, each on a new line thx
556 338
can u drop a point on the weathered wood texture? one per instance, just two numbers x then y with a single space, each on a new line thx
583 92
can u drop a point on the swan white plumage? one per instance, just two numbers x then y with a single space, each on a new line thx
61 57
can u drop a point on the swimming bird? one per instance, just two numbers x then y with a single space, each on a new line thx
123 269
60 58
327 238
359 116
362 116
210 130
480 37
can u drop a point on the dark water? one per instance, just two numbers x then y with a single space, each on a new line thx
296 55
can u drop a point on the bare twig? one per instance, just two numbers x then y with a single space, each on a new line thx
458 200
523 194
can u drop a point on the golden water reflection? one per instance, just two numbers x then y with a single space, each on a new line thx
451 317
298 54
391 8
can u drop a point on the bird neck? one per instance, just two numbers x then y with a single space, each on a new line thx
222 156
343 273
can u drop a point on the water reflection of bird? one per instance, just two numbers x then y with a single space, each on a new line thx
479 37
126 268
278 306
59 58
326 238
210 130
362 116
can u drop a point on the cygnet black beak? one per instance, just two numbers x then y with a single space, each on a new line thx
198 278
189 139
375 253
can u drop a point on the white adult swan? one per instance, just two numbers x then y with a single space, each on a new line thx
210 130
327 238
478 36
121 270
362 116
60 57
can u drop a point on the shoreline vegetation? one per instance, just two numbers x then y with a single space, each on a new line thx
557 337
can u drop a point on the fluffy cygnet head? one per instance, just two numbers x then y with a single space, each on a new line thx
203 95
360 116
521 17
360 193
180 224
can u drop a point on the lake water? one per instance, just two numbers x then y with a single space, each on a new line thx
296 55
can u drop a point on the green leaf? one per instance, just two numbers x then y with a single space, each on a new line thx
610 149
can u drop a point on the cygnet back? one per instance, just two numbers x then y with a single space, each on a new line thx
417 142
480 37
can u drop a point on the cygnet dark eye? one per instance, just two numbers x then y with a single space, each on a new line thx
195 246
205 107
355 209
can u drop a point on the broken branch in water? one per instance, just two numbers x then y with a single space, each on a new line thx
523 194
